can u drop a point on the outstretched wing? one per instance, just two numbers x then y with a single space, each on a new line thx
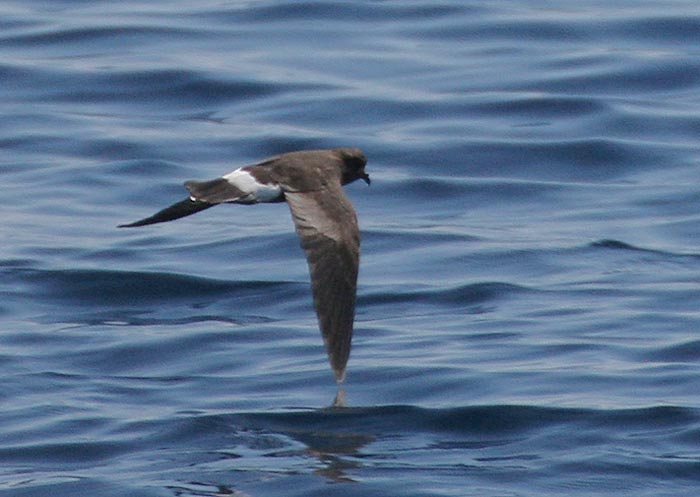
184 208
327 225
203 194
216 191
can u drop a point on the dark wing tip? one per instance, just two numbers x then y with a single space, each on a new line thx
135 224
184 208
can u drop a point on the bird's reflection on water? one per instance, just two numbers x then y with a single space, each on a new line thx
341 399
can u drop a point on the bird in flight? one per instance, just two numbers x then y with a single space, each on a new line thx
311 184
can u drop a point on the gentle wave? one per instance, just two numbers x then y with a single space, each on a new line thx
527 305
84 287
479 439
465 295
389 421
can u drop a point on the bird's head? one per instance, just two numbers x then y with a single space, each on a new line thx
353 167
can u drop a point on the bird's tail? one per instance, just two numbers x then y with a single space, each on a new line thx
184 208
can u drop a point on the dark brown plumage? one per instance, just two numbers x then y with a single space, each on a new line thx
311 183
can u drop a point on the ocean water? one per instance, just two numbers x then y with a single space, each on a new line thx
528 318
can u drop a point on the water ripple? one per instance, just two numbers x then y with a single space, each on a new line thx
527 302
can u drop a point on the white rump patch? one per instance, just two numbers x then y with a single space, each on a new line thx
257 192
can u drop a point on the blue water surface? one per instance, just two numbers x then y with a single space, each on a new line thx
528 317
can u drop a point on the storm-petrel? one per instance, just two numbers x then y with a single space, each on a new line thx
311 184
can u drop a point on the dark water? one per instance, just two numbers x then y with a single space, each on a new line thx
528 319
